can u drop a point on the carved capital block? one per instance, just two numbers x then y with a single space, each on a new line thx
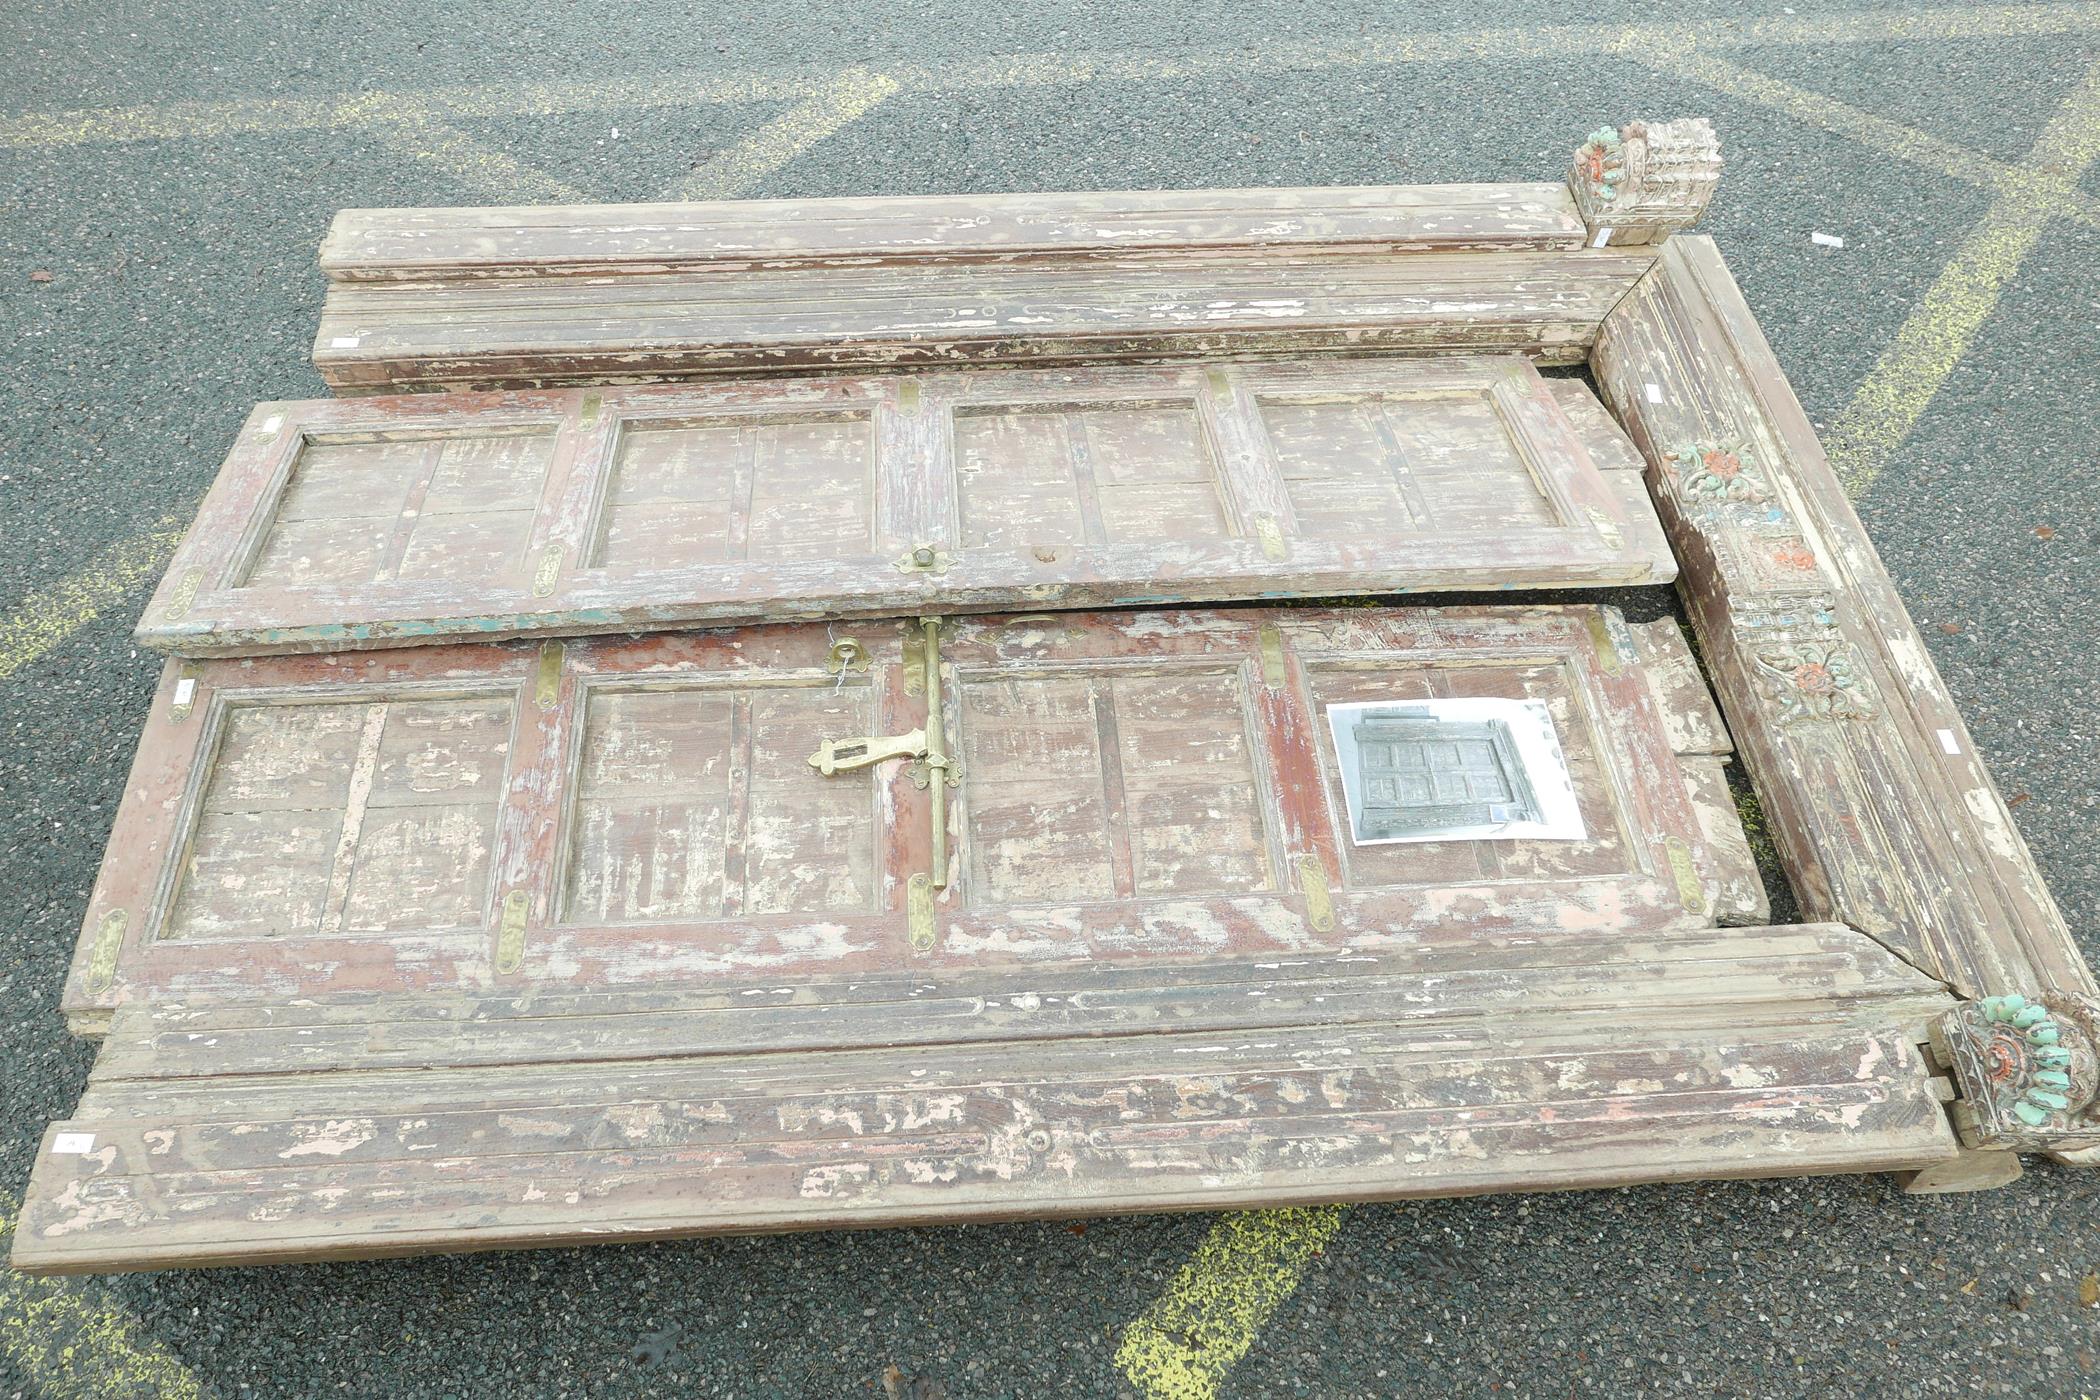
2027 1070
1644 181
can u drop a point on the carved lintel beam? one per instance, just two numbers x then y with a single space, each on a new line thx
2027 1071
1646 180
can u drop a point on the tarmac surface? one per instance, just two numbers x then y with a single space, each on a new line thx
166 172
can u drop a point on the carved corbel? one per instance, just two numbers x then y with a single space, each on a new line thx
1644 181
2027 1071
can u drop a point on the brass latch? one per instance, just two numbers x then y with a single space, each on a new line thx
928 747
837 755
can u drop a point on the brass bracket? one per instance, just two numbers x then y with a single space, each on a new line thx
1319 901
546 681
549 571
109 942
510 932
925 559
184 595
1690 893
918 900
847 654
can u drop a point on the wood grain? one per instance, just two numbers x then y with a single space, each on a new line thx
598 240
1134 787
386 337
397 521
1882 810
362 1128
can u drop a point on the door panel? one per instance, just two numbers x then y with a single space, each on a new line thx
1122 787
481 516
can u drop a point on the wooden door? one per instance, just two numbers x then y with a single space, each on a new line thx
455 817
1165 785
1125 787
349 525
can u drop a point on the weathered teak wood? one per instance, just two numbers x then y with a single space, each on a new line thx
596 240
538 332
342 1129
391 521
536 297
1880 805
1127 787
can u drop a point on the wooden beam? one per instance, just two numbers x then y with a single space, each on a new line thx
598 240
1882 810
331 1130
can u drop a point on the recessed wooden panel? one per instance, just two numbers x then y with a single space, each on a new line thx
1088 475
405 520
1604 848
771 488
1111 785
1404 466
698 804
354 818
455 508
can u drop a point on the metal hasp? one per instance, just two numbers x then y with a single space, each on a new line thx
928 745
838 755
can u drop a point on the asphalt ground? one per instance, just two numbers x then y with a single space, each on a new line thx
172 168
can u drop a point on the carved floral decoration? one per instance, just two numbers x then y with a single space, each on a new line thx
2025 1067
1815 678
1717 478
1601 161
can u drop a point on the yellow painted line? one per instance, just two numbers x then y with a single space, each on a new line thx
1371 50
1935 336
1188 1340
47 617
846 99
490 172
72 1345
1842 119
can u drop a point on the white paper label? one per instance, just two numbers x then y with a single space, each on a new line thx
184 689
343 342
273 423
1603 237
72 1144
1947 741
1655 393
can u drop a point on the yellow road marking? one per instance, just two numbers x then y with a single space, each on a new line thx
47 617
1842 119
1935 336
68 1343
1375 49
500 177
1187 1341
845 100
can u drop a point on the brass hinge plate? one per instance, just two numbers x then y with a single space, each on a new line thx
925 559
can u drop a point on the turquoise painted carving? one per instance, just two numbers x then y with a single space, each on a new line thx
2026 1068
1602 162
